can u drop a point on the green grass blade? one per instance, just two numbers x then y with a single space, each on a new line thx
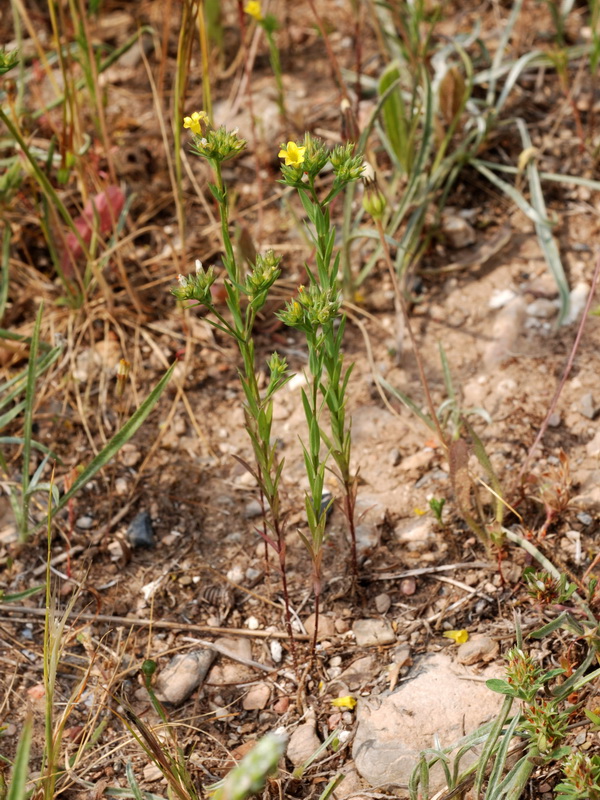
512 193
393 114
18 784
36 445
501 755
513 75
410 404
544 233
4 271
446 372
502 45
42 365
28 418
490 743
132 781
116 443
17 596
10 415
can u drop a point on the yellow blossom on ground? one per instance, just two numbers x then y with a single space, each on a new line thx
293 154
253 8
460 637
344 702
194 122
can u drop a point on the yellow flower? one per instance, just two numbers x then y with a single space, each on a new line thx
253 8
460 637
194 123
344 702
294 155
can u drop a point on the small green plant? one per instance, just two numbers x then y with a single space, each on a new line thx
581 778
437 506
246 296
316 312
545 589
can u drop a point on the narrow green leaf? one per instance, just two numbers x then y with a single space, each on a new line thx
18 784
116 443
5 269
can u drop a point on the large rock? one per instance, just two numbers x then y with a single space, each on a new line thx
438 701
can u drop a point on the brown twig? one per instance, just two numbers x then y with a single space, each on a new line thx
160 624
566 373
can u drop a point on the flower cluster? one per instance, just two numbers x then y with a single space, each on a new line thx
311 308
8 60
305 161
346 166
545 724
263 276
196 287
215 145
278 374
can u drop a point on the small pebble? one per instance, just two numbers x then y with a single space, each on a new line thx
252 624
282 705
276 651
130 455
326 625
303 744
184 673
236 574
253 509
373 631
152 773
121 487
586 405
383 602
140 532
85 523
395 457
257 697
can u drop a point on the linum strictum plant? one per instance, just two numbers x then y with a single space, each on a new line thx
316 312
246 296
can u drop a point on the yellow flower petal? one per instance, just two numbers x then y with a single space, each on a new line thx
460 637
293 154
253 8
194 122
344 702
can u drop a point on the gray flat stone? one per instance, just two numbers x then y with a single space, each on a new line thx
438 701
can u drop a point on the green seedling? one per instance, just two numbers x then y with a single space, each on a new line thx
437 506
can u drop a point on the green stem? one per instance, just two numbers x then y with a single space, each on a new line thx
276 67
230 260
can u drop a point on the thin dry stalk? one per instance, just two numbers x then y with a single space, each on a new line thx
566 373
